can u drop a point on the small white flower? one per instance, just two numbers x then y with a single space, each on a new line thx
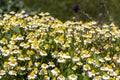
75 58
20 38
106 77
45 66
79 63
61 77
12 63
46 78
21 57
101 60
61 60
97 78
86 67
2 72
55 71
6 53
107 58
66 56
0 77
43 53
27 58
72 77
22 68
117 77
12 72
91 73
51 64
118 60
32 75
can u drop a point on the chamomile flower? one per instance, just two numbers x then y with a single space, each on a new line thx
86 67
91 73
43 71
97 64
61 60
45 66
118 60
0 77
117 48
43 53
12 42
20 37
117 77
105 26
107 57
14 37
22 68
55 71
107 35
90 60
101 60
12 72
12 63
97 78
66 55
109 68
37 64
6 65
21 57
106 46
66 45
32 75
79 63
74 67
51 64
2 72
46 77
85 55
72 77
116 72
75 58
97 52
4 41
106 77
60 77
6 53
27 58
93 49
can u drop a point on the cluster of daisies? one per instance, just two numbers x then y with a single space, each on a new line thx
41 47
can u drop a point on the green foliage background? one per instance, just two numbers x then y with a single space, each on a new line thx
63 9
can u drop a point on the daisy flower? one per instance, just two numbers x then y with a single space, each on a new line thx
75 58
45 66
72 77
60 77
55 71
43 53
86 67
91 73
61 60
106 77
46 77
32 75
12 72
2 72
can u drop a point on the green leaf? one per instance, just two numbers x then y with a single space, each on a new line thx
85 78
15 29
96 57
0 55
8 36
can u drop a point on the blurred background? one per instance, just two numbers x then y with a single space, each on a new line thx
103 11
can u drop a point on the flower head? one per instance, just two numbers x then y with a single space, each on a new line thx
76 8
